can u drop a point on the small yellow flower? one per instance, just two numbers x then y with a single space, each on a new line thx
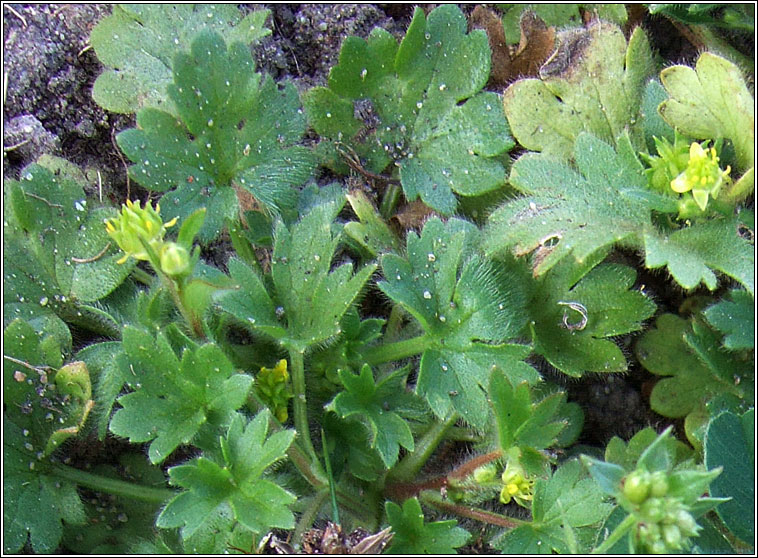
517 485
135 223
273 389
702 176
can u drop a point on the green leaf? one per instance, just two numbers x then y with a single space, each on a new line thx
557 15
576 311
371 232
693 253
568 212
233 130
729 444
101 359
57 254
35 505
592 83
381 404
712 101
627 454
520 421
309 297
467 308
235 481
564 506
735 318
172 399
413 536
690 354
137 42
418 105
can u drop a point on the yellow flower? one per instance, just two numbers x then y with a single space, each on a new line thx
135 223
517 485
703 176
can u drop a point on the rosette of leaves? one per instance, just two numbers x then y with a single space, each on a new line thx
467 309
58 260
137 43
418 106
231 144
44 403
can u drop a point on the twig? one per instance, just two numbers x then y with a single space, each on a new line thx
85 49
353 161
37 369
17 145
93 258
123 162
100 186
40 198
18 15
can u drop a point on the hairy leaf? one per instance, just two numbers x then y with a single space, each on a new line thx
173 398
693 253
57 254
418 105
235 482
308 299
137 42
690 353
729 443
521 422
575 309
468 311
565 505
413 536
557 15
735 318
381 404
712 101
232 136
568 212
592 83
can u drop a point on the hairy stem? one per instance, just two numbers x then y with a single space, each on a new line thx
434 499
620 530
299 404
408 467
309 515
112 486
396 351
142 276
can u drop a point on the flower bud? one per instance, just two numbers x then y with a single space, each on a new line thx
485 474
637 486
175 259
653 510
136 225
672 537
659 485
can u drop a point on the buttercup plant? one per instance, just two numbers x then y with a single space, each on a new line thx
266 353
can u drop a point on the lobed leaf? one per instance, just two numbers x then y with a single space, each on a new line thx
735 317
568 212
173 398
419 106
311 298
576 311
382 404
233 135
137 42
592 83
711 101
564 506
693 253
235 482
467 309
690 354
413 536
